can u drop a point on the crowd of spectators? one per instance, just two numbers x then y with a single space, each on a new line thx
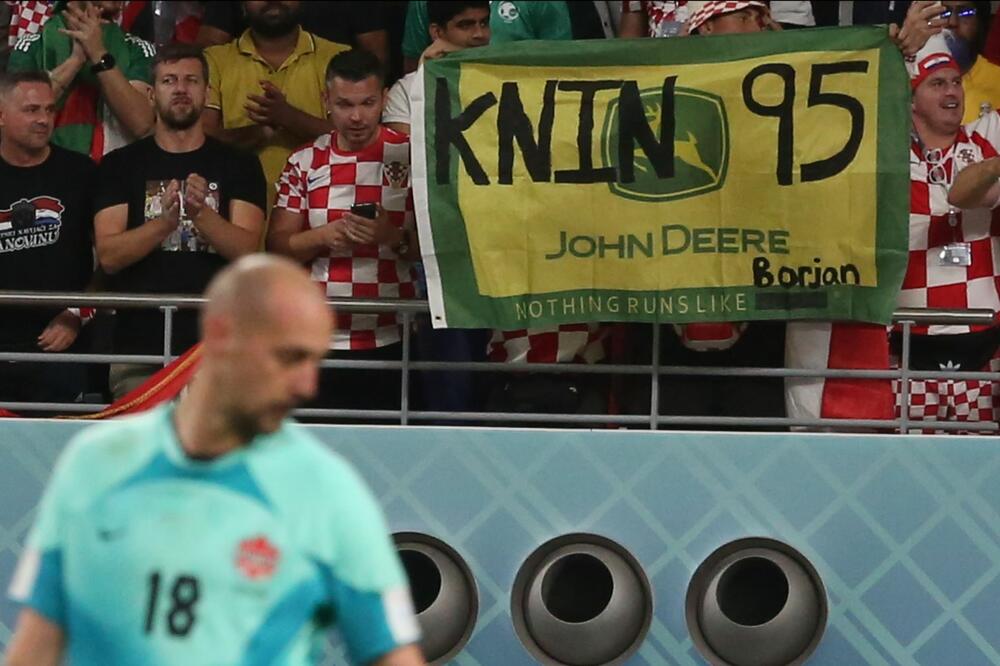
143 145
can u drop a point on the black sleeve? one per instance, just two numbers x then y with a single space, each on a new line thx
827 14
224 15
247 182
112 181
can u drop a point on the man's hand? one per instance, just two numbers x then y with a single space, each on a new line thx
77 55
438 48
270 108
768 23
195 191
60 333
85 27
921 22
170 205
977 186
334 235
378 231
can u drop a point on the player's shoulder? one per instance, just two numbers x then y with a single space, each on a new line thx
102 454
298 463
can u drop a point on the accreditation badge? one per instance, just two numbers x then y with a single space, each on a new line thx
955 254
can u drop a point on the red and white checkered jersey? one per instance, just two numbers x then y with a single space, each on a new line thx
27 17
929 283
323 182
664 17
568 343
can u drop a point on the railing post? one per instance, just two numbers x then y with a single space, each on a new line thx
404 373
904 380
654 386
168 332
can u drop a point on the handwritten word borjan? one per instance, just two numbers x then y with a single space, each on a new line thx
677 239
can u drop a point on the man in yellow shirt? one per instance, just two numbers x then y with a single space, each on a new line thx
968 23
266 86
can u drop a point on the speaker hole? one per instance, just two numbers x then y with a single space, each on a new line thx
577 588
425 578
752 591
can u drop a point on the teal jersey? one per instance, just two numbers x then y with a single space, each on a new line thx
146 557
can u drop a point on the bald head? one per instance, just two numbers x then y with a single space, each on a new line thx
252 290
265 330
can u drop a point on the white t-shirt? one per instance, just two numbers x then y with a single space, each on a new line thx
397 104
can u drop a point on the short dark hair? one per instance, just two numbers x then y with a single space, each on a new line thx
439 12
181 51
354 65
10 80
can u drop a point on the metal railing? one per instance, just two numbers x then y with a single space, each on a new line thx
409 309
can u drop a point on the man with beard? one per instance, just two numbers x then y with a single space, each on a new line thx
100 75
968 23
173 208
216 531
266 86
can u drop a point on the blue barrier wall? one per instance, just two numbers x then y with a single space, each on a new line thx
904 531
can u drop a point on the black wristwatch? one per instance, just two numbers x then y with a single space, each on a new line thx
106 62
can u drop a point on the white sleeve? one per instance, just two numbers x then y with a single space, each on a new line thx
986 129
397 103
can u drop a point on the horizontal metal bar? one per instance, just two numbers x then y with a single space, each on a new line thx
576 419
49 357
737 422
941 316
667 370
945 317
116 300
547 368
66 407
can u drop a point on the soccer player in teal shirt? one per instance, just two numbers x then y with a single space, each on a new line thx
216 532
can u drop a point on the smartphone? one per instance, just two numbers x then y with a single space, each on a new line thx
364 210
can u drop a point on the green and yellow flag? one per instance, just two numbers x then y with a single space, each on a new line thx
726 178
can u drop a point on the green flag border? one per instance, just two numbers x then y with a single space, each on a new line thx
455 299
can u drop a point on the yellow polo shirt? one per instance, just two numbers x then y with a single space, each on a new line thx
235 70
982 84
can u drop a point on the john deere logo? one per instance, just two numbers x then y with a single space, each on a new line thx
701 147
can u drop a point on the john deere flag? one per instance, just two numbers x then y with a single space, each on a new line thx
727 178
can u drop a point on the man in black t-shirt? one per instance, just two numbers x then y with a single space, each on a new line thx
173 208
45 217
